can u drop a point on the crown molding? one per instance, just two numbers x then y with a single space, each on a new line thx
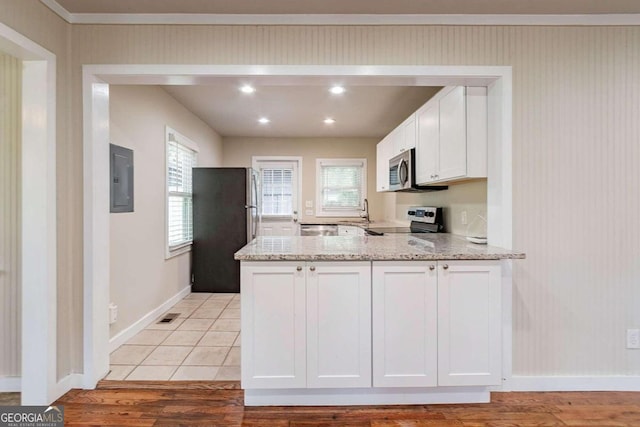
344 19
57 8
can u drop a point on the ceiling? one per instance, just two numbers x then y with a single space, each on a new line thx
385 7
299 110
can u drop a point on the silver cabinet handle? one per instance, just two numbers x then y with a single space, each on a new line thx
299 268
432 267
446 266
312 268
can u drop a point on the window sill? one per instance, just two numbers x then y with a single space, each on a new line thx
177 251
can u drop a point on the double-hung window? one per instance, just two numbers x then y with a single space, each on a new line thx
341 186
181 158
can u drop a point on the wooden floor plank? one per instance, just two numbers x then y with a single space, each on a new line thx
207 404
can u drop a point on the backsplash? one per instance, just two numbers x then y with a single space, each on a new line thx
467 196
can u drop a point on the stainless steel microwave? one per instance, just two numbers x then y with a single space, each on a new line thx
402 173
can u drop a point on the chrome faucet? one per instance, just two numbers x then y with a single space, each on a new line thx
365 210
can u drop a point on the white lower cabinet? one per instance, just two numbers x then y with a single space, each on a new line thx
437 323
405 328
361 324
339 324
306 325
273 325
469 323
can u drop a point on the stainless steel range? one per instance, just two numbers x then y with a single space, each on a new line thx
424 219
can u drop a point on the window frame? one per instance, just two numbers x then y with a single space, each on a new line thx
172 135
320 209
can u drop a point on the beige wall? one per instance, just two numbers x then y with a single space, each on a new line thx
469 197
37 22
575 130
238 152
10 214
141 278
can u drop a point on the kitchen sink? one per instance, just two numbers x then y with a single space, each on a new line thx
318 229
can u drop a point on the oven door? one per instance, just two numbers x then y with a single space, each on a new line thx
399 173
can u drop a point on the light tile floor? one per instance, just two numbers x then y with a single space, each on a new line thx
203 343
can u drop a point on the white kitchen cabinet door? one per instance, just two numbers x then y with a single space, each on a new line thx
469 323
273 325
428 142
452 154
338 324
405 328
384 150
405 136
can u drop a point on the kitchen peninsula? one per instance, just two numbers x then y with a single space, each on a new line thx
393 319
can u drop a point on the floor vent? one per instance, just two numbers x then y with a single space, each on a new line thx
169 317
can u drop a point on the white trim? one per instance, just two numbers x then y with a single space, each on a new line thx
60 10
10 384
128 333
69 382
348 213
96 216
39 221
562 383
96 229
365 396
298 164
341 19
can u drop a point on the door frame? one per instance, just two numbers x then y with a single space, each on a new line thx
255 161
96 80
39 381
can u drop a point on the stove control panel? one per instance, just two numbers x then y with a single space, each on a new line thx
427 214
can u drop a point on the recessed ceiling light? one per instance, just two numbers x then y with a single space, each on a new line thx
337 90
329 121
263 120
247 89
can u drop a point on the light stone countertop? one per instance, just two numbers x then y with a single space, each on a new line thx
390 247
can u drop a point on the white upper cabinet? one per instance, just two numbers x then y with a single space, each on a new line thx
384 150
452 136
405 135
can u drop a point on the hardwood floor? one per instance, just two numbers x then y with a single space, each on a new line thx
129 403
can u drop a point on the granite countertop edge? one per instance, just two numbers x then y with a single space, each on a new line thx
357 257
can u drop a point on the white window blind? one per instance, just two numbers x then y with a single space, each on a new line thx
341 186
180 160
277 191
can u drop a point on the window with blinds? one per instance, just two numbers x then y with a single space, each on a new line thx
181 158
277 191
341 186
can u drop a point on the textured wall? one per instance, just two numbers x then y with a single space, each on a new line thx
575 158
37 22
576 103
10 214
141 278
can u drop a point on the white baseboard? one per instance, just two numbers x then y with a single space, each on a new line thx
595 383
146 320
67 383
10 384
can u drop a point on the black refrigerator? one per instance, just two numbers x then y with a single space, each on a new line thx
225 218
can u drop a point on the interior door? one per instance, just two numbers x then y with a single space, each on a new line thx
278 196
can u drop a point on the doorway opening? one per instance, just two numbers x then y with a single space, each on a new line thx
97 79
